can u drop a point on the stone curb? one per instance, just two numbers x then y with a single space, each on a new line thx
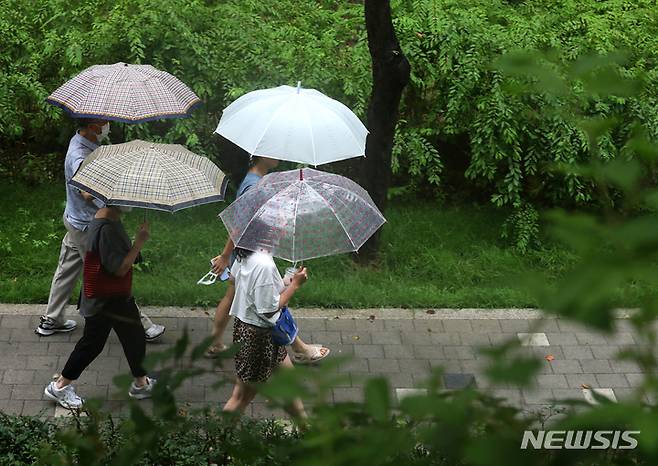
327 313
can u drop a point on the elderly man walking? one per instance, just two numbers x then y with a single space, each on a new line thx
80 210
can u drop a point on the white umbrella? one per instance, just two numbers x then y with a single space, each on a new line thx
294 124
153 176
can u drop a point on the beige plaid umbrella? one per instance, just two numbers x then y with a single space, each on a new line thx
153 176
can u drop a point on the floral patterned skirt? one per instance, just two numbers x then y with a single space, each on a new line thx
258 356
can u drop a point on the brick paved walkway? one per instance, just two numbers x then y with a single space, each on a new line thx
401 344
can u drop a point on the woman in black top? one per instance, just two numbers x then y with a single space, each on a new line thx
107 304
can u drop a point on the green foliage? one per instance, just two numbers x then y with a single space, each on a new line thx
457 89
193 439
431 256
220 49
598 108
522 227
21 439
461 115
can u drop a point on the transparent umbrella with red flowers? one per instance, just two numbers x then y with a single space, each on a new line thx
302 214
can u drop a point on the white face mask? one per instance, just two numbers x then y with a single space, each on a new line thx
105 132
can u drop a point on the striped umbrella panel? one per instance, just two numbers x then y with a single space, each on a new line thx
157 176
125 92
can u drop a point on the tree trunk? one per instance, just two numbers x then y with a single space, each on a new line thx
390 73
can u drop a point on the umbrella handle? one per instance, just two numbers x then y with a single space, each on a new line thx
301 174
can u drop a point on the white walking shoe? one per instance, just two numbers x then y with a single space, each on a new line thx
65 396
154 331
145 391
48 326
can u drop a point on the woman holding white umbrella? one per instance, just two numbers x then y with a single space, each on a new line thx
292 124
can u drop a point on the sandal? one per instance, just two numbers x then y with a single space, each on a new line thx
214 350
301 358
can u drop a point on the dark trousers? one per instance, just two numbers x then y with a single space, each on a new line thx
122 315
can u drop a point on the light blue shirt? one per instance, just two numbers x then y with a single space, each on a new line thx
247 183
78 212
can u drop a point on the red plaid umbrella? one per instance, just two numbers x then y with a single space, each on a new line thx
124 92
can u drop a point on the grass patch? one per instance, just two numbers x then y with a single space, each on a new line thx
432 257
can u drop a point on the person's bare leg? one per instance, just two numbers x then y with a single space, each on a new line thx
140 381
221 315
300 347
296 408
240 398
62 382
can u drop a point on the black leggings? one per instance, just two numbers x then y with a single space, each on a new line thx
121 315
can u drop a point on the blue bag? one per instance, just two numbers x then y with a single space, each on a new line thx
284 331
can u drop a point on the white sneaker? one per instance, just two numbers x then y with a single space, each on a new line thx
66 396
145 391
48 326
154 331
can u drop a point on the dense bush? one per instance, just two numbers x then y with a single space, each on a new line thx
464 127
220 50
21 439
505 142
199 438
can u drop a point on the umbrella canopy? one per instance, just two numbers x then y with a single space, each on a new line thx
295 124
124 92
154 176
302 214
